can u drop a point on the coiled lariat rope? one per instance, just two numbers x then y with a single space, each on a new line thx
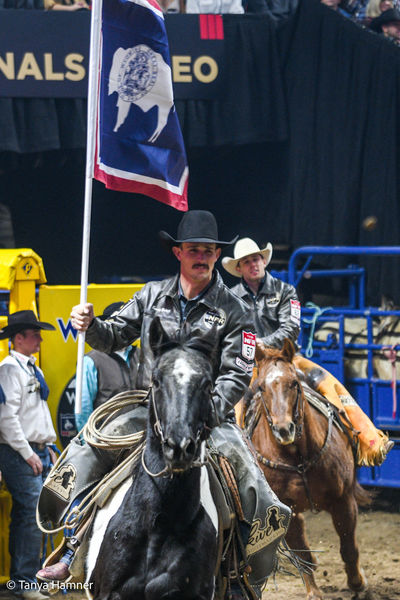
92 431
92 434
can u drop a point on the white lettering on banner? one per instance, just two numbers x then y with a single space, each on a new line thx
40 67
295 311
248 345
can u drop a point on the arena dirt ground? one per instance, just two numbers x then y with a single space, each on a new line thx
378 534
379 542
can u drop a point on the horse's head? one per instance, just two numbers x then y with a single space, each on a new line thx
279 391
181 396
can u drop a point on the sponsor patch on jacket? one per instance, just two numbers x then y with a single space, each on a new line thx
162 310
214 317
245 366
248 345
295 311
272 300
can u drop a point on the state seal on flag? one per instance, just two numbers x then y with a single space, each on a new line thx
137 73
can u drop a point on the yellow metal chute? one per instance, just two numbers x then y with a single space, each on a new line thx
21 275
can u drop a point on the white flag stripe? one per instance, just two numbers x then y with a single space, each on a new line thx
144 179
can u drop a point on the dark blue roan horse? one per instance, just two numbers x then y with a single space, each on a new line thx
161 543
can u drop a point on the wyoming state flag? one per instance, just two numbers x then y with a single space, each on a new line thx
139 143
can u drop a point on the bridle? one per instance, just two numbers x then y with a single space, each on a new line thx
297 413
169 471
302 468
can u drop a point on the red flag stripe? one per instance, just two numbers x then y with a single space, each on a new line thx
178 201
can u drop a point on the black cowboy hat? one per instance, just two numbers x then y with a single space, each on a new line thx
111 309
20 320
195 226
388 16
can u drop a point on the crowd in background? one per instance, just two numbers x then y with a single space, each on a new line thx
381 16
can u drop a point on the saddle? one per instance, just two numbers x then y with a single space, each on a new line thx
231 562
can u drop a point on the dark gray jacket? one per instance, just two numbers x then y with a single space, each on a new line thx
275 311
218 316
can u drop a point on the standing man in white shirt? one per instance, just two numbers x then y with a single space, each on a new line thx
26 432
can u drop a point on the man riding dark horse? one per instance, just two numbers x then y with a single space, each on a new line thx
194 303
276 315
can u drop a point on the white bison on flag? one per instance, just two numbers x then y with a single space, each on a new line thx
141 76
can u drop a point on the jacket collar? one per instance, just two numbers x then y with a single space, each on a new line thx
265 287
210 297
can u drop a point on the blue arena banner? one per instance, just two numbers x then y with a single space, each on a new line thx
44 54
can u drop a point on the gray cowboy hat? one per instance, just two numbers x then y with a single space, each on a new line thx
20 320
195 226
245 247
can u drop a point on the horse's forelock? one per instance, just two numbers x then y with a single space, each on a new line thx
192 350
274 354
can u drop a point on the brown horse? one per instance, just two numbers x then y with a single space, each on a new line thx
306 459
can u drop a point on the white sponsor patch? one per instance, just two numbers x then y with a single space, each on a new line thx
247 367
162 310
248 345
213 317
272 300
295 311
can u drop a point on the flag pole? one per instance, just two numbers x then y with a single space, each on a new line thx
93 79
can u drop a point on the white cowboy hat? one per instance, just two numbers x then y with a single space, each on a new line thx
245 247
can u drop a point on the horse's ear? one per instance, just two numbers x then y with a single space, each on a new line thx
288 350
260 350
158 338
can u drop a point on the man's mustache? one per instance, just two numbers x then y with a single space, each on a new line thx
200 265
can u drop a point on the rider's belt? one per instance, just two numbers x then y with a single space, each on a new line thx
37 446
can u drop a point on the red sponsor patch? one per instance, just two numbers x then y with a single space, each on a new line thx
248 345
